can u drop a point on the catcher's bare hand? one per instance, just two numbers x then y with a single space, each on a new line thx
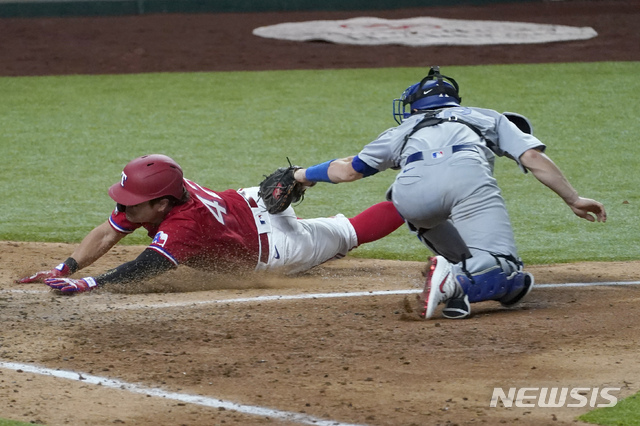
589 209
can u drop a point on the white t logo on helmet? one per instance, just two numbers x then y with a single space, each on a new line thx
123 179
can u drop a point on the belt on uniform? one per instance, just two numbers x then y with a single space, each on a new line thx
418 156
264 237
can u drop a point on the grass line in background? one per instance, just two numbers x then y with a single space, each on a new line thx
65 140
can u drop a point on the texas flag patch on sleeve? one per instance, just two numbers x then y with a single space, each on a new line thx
160 239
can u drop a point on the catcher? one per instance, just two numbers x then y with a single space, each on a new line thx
224 231
447 194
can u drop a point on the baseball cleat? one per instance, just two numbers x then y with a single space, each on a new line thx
457 308
440 286
526 289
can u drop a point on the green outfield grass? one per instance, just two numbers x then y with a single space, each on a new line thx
4 422
65 140
624 413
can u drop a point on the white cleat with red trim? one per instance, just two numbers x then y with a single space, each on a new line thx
441 286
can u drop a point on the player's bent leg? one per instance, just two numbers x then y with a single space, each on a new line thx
444 240
376 222
317 241
495 284
522 286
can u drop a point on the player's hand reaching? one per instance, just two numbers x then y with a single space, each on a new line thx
68 285
589 209
60 271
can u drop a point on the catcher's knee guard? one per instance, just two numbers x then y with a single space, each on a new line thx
495 284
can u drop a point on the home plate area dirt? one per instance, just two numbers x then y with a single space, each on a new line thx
365 359
308 358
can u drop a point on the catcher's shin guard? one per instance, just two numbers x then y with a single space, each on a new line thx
522 285
494 284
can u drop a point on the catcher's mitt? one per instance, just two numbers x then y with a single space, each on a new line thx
280 189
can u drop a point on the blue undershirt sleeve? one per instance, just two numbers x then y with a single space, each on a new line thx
362 167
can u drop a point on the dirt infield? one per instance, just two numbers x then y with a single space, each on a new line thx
362 360
342 360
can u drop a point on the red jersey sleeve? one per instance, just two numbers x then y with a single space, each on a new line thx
118 221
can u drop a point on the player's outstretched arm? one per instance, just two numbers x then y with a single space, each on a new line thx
333 171
98 242
147 265
546 171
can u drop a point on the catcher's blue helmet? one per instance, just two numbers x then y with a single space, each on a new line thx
434 91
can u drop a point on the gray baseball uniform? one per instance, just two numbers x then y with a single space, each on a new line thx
445 189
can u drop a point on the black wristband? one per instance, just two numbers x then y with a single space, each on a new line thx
71 264
147 265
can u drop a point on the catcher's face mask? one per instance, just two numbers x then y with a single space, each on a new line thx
433 91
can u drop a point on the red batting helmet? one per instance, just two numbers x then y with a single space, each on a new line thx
148 177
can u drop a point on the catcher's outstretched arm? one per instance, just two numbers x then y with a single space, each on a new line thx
335 171
546 171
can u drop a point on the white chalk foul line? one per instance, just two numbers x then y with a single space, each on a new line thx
259 299
13 290
218 403
610 283
191 399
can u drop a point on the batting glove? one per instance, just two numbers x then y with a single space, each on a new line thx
69 285
60 271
